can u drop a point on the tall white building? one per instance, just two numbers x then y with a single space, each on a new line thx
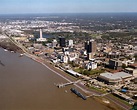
54 43
70 43
41 39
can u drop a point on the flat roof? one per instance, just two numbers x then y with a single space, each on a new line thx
116 76
130 69
73 72
123 74
110 76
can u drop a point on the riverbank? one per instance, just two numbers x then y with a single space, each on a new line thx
67 77
86 90
27 85
8 45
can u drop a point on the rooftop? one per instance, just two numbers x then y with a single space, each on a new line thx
116 76
123 75
130 69
110 76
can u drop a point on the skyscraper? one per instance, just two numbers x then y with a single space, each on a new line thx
62 42
90 46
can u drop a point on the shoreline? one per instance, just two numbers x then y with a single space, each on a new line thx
53 70
65 76
10 46
86 90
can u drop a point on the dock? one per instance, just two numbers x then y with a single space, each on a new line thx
66 84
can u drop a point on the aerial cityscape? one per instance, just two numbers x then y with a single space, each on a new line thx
68 55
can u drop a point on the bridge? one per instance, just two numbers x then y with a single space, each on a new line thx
66 84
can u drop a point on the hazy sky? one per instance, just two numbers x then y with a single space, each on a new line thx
66 6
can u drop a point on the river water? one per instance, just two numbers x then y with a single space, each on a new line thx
28 85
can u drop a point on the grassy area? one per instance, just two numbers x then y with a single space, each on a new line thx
89 72
97 89
120 99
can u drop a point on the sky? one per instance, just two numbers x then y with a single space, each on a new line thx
66 6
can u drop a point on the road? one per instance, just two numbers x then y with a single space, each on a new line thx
83 87
70 79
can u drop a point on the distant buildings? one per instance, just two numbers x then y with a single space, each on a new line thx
41 39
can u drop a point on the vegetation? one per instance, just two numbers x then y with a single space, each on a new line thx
124 66
89 72
10 46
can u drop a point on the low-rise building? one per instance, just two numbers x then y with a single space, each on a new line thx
91 65
54 43
131 71
70 43
73 73
37 46
115 63
110 78
64 59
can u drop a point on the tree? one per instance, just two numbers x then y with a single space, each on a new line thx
124 66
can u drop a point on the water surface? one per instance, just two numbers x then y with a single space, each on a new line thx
27 85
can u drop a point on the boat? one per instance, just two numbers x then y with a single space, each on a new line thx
21 55
5 50
78 93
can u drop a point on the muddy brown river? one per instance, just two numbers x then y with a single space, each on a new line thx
28 85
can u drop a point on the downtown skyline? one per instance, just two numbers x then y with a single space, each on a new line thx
65 6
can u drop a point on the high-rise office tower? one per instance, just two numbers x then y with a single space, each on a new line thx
62 42
90 46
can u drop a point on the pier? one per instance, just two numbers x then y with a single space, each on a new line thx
66 84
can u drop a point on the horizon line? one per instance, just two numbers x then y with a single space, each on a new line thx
64 13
